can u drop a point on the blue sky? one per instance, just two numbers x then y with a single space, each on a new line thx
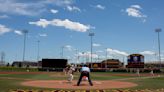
121 28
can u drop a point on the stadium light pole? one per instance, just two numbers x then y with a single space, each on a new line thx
24 47
91 34
38 50
159 49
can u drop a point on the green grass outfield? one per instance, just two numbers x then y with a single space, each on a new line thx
12 80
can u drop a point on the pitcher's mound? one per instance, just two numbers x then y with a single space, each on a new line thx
63 84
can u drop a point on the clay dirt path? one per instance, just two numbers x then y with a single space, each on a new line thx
63 84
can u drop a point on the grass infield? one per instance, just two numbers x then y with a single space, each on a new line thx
10 81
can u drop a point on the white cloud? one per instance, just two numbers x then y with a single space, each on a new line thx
136 6
54 11
134 11
43 35
75 26
94 55
61 3
4 29
3 16
68 47
31 7
148 53
96 45
66 4
87 54
100 7
18 32
99 51
113 51
42 22
162 58
73 8
15 7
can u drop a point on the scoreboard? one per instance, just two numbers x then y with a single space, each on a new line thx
135 61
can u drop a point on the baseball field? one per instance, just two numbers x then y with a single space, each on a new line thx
34 81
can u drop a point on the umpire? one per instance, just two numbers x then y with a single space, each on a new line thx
85 72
